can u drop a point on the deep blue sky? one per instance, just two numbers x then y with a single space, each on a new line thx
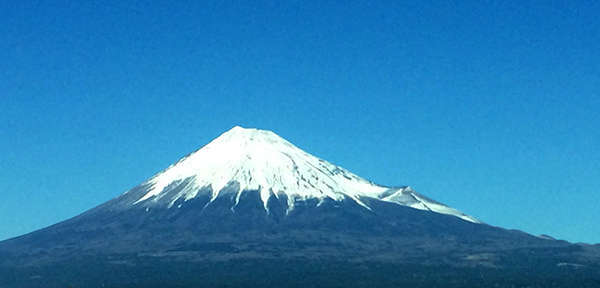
490 107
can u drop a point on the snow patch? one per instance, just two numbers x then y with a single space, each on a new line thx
260 160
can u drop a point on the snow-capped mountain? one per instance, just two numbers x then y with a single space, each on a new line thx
250 209
260 160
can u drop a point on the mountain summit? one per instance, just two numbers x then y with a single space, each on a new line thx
260 160
250 209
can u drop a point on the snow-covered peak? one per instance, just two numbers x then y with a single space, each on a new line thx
260 160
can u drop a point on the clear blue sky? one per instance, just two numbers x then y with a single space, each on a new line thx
490 107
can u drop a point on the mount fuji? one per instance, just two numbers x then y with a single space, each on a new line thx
244 160
250 208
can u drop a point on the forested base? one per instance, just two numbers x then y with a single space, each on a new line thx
149 273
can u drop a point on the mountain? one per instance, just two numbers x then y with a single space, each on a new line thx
245 160
250 208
